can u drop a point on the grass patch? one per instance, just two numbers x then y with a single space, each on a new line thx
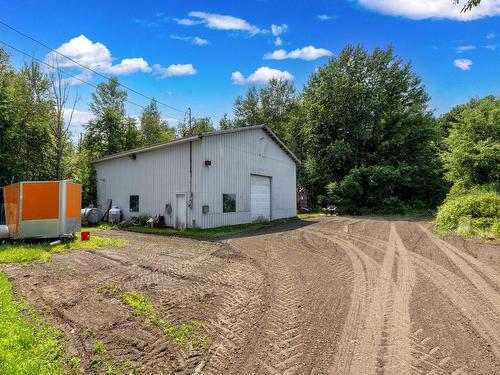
211 232
27 344
99 347
137 302
188 332
99 227
308 215
108 289
20 253
26 252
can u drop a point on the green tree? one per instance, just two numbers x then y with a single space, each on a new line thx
366 114
106 133
247 109
274 105
133 137
469 5
198 126
225 123
153 128
26 111
472 156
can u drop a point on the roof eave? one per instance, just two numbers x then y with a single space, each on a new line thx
146 149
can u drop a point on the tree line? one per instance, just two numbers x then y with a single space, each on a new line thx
361 126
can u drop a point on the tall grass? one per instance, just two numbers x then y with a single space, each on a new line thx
476 214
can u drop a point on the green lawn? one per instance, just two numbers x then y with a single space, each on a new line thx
27 344
26 252
212 232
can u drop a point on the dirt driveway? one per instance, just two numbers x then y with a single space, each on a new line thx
324 296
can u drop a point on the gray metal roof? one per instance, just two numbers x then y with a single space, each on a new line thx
157 146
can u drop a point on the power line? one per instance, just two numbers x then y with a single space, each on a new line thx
86 67
60 70
68 74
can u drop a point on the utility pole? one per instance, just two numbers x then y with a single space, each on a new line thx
190 201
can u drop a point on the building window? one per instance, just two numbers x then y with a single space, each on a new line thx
228 202
134 203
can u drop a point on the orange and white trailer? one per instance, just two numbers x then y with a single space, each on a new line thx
40 209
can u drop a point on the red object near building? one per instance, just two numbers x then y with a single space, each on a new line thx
85 236
302 201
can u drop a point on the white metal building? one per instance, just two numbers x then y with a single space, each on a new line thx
220 178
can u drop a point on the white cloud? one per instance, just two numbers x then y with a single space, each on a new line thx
195 40
174 70
180 37
491 46
128 66
463 64
187 21
461 49
262 75
199 41
219 22
79 117
95 56
491 36
307 53
325 17
277 30
78 79
422 9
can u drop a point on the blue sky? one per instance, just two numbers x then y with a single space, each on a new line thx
203 54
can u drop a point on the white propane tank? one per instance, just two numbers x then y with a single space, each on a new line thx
115 215
4 231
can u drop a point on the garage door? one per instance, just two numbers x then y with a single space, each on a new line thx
260 195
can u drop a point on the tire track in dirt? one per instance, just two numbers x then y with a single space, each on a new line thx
328 314
385 336
237 290
464 261
365 361
233 321
463 295
399 358
278 345
478 310
364 280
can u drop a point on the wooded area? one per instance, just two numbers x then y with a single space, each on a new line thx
361 125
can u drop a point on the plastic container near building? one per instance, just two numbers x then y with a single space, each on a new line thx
40 209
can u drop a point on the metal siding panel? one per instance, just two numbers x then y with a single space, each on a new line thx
155 176
234 157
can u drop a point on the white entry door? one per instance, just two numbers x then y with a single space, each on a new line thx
260 197
180 211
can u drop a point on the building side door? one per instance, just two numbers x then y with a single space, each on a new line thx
180 210
260 197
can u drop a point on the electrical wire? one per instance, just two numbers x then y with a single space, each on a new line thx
86 67
68 74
